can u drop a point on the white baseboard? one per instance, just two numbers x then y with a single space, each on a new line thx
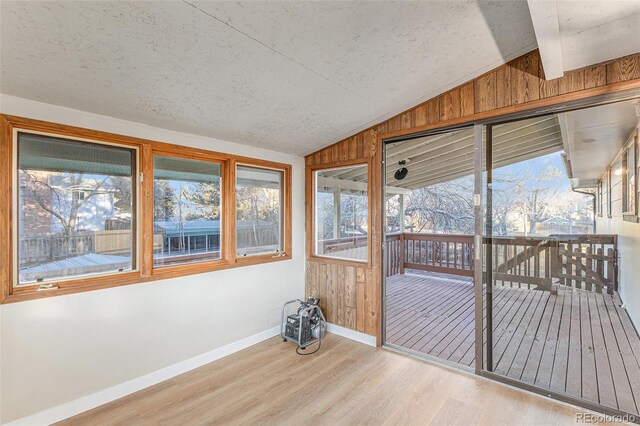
351 334
102 397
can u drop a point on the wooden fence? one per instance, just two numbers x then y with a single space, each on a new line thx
39 249
48 248
587 262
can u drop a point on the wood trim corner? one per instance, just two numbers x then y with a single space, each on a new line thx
6 209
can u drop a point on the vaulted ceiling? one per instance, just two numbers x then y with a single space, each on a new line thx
573 34
290 76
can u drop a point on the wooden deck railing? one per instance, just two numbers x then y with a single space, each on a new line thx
521 261
446 253
586 262
342 244
590 261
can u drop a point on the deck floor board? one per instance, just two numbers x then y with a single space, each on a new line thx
575 342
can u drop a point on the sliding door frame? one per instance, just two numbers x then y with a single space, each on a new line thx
483 128
479 246
383 263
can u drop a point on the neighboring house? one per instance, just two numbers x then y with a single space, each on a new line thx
560 225
92 215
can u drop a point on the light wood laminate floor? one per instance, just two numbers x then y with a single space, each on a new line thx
345 383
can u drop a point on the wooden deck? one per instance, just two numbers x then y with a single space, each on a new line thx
576 342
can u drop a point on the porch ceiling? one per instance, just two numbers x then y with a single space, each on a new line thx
593 137
439 158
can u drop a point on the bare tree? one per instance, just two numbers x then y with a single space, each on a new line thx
353 214
521 199
206 200
65 199
164 200
260 206
531 195
445 207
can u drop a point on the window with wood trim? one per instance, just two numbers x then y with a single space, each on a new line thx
637 172
75 209
629 179
187 210
599 200
609 188
259 211
341 213
82 209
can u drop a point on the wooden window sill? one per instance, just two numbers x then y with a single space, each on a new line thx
262 258
31 292
189 268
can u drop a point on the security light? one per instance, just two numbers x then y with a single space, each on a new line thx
402 172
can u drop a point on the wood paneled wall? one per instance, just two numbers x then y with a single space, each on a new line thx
516 86
348 291
346 294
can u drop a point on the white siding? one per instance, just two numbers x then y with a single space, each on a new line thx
628 244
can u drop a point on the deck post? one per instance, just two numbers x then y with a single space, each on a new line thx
336 213
402 210
401 258
477 263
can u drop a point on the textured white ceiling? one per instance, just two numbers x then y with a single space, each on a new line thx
597 31
290 76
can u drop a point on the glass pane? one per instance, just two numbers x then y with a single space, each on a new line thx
428 283
631 178
75 208
258 211
186 210
393 213
561 282
341 213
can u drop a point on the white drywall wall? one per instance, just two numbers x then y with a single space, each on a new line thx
59 349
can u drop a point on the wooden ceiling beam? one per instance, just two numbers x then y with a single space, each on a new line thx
544 16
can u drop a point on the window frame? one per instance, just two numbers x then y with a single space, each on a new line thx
135 216
313 191
65 284
631 155
202 265
144 270
609 197
283 210
599 199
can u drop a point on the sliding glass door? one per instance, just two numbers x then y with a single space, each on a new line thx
513 249
429 230
557 318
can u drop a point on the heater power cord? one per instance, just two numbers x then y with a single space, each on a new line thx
319 344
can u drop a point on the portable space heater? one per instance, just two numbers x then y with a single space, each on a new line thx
306 327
